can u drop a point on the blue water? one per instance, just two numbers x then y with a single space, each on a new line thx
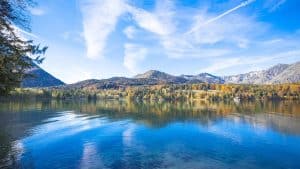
101 135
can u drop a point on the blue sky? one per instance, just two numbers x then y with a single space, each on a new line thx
105 38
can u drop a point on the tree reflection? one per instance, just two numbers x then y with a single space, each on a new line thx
18 118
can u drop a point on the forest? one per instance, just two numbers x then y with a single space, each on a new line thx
173 92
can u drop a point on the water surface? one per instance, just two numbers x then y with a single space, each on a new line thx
113 134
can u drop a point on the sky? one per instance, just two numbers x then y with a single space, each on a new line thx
105 38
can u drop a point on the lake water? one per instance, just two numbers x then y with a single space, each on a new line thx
112 134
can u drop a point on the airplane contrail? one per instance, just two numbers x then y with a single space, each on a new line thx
243 4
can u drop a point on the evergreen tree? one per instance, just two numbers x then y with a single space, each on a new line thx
14 49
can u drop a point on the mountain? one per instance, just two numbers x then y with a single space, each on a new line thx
112 83
153 74
152 77
290 75
40 78
281 73
204 77
161 77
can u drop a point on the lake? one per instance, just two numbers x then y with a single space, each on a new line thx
120 134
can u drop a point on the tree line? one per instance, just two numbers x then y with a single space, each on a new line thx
174 92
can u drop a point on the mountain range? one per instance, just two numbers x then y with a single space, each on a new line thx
40 78
281 73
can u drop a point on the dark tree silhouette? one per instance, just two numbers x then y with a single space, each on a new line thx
14 49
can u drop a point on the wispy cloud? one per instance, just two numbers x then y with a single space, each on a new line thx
218 38
221 39
179 47
273 5
37 11
277 5
99 20
197 43
221 64
133 54
235 29
74 36
148 21
243 4
130 32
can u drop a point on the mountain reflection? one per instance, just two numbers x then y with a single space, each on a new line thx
277 115
28 122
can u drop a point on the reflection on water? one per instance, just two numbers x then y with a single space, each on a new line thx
114 134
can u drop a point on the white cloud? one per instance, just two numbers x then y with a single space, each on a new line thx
273 5
243 4
278 4
197 34
148 21
221 64
37 11
73 36
203 35
218 38
184 47
99 20
130 32
236 29
133 54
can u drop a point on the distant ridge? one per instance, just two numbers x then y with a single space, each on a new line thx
204 77
290 75
161 76
40 78
154 74
280 73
